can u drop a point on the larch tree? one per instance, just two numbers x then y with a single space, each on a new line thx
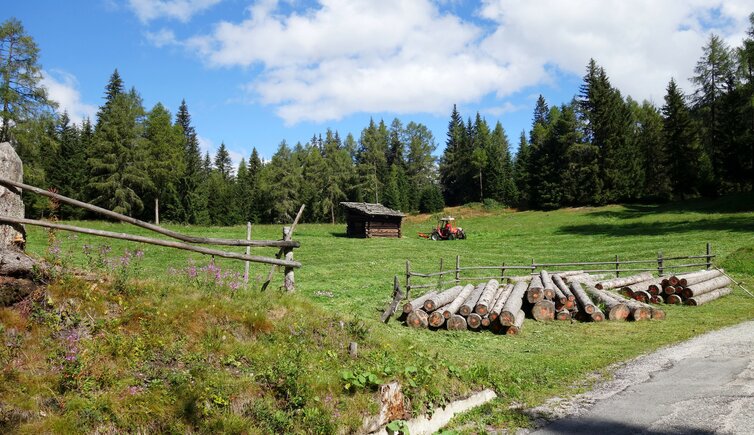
22 96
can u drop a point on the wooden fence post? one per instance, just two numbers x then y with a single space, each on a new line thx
458 269
617 266
709 256
289 282
441 274
659 263
502 272
248 252
533 266
156 211
408 278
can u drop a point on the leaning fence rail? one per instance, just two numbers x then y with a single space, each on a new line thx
443 276
283 258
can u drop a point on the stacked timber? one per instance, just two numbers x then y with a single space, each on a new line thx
502 308
693 288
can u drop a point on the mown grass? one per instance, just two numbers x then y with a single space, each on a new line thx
170 353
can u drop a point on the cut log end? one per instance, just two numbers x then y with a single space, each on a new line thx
543 310
618 312
474 321
418 319
457 323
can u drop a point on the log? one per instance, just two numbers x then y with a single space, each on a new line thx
418 319
418 302
452 308
518 323
513 304
535 290
442 299
650 285
548 287
470 302
642 296
673 299
669 289
474 321
621 282
500 302
562 290
457 323
709 296
638 310
597 315
564 273
563 314
500 289
485 300
436 318
656 299
692 278
705 286
657 313
617 310
585 303
486 321
543 310
151 241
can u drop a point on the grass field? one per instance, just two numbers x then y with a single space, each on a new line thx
273 362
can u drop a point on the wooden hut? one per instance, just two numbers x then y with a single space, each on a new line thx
372 220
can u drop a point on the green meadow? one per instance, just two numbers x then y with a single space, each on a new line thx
158 345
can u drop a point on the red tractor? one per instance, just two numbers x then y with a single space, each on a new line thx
446 230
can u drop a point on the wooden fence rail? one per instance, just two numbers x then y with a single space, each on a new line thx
462 274
283 258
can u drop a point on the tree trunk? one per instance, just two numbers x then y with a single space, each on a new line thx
457 323
673 299
617 310
705 287
474 321
642 296
513 304
418 302
543 310
418 319
709 296
548 287
436 318
518 323
650 285
535 290
563 314
621 282
500 302
442 299
468 306
585 303
485 300
452 308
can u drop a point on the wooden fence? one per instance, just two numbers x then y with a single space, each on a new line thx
661 264
283 258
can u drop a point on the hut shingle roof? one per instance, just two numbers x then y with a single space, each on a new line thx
372 209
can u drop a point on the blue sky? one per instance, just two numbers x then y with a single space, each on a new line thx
254 73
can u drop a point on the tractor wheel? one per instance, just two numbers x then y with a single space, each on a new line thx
434 236
461 235
451 236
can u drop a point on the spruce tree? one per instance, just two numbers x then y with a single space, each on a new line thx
521 176
340 172
689 169
118 175
165 163
420 163
193 201
451 161
656 159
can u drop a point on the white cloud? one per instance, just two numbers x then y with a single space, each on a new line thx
161 38
181 10
347 56
63 89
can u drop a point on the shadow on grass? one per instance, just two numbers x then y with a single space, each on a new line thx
737 224
734 203
339 234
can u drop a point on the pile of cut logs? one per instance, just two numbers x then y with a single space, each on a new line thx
567 295
695 288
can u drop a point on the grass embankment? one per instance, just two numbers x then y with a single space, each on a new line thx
172 351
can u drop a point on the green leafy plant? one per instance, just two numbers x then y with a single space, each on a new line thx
397 427
358 380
